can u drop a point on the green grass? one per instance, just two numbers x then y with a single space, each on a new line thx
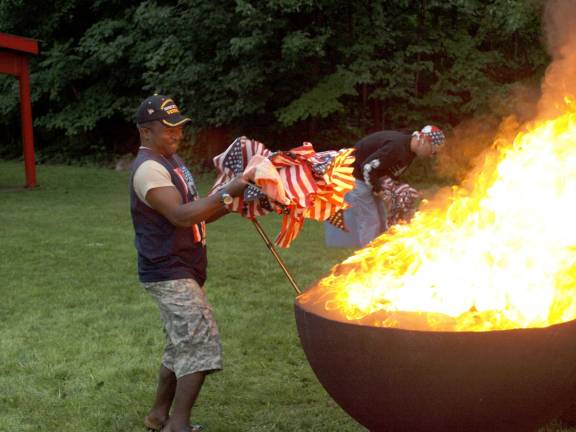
80 342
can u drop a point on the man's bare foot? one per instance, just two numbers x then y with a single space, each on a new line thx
154 423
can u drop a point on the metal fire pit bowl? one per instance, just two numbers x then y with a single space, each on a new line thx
398 380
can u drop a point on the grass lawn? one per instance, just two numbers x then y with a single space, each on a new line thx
81 342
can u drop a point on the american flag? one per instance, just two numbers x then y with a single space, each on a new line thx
314 183
334 184
232 163
400 198
337 219
294 167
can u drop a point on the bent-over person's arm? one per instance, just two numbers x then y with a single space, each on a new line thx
380 163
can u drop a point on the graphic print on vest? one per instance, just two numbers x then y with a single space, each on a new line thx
185 174
187 180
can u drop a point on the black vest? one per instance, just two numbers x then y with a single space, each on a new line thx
167 252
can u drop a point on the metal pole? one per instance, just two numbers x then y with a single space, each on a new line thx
275 253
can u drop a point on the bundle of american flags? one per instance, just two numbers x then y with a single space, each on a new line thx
401 200
299 183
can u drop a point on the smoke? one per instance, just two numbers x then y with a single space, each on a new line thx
471 139
464 146
559 24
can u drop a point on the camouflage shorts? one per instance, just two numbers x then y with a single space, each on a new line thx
192 339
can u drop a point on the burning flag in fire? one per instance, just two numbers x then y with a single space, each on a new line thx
498 252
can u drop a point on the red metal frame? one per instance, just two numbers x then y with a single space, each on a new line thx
14 52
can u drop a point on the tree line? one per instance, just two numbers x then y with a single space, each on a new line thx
280 71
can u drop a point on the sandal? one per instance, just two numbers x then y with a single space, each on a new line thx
193 428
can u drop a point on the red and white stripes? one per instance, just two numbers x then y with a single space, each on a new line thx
314 183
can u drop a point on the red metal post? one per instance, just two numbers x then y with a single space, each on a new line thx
26 118
10 63
18 43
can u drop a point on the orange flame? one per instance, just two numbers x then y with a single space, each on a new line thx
497 252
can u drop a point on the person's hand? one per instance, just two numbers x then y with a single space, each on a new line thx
236 186
378 194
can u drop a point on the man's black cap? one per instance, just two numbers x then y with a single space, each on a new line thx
160 108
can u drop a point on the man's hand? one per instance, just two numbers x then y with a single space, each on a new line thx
236 187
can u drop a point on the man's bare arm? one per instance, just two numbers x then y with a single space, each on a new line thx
219 213
167 201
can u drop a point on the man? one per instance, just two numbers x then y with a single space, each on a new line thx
382 156
169 222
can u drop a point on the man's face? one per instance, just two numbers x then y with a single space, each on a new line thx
423 146
161 138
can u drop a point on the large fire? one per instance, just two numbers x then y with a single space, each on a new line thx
498 252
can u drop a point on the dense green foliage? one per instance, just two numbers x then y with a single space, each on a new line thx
279 70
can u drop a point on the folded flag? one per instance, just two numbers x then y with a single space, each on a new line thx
337 219
400 198
299 183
